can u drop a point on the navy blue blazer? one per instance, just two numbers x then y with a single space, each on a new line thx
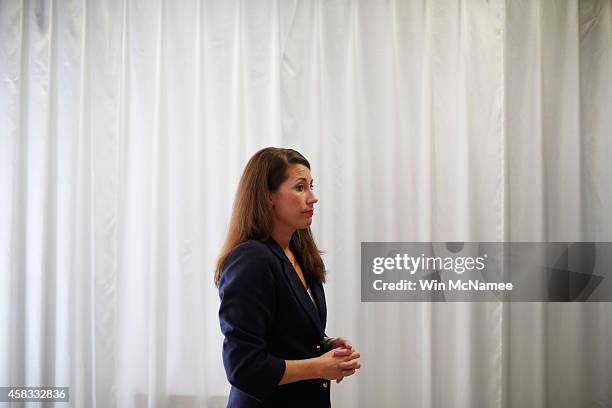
267 317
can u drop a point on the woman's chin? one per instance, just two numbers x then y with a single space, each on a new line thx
305 224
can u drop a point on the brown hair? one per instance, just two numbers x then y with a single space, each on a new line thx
252 216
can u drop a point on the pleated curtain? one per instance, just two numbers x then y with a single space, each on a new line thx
124 128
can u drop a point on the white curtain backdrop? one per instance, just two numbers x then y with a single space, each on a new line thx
125 125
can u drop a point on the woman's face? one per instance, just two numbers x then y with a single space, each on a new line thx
293 202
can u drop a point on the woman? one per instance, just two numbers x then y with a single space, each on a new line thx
270 277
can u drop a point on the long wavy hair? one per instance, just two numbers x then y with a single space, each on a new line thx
252 216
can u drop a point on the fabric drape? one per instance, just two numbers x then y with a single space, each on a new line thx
125 125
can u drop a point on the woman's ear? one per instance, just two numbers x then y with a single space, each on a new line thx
270 200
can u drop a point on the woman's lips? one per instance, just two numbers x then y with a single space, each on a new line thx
309 212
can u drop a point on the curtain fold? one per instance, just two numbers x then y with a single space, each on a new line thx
125 126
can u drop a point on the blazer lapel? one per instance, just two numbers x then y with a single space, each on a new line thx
298 289
319 296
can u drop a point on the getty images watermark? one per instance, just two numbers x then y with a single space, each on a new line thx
486 271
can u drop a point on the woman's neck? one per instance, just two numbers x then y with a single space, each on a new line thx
282 236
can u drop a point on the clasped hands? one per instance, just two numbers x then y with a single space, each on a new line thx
342 359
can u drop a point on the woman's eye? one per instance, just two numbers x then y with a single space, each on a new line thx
301 187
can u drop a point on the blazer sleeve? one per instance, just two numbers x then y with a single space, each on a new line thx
248 303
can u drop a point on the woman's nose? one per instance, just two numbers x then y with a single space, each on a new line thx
313 199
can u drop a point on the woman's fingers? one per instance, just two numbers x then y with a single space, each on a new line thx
347 373
350 365
347 354
342 342
342 352
346 344
354 355
350 357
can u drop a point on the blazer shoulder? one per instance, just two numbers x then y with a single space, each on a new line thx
250 263
252 248
255 253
